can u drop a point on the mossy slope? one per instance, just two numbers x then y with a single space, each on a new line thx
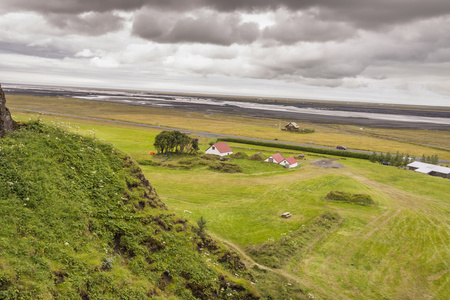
80 221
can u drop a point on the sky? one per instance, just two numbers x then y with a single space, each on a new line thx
386 51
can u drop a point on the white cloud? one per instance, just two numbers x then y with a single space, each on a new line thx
325 50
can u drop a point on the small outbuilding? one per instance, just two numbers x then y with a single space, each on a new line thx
276 158
433 170
289 162
292 126
221 149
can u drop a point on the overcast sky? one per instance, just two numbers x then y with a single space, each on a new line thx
393 51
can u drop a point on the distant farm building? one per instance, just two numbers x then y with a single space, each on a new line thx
292 126
429 169
221 149
279 159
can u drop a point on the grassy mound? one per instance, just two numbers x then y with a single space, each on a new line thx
80 221
225 167
239 155
257 156
361 199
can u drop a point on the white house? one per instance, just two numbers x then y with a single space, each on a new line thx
289 162
220 149
430 169
276 158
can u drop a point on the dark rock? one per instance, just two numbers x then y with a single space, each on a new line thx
7 124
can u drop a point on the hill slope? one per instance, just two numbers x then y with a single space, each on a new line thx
80 221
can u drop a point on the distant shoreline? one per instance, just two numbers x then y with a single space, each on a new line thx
323 112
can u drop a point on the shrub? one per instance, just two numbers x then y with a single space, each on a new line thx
257 156
240 155
224 167
147 162
339 196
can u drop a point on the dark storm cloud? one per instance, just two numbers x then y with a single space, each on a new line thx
88 23
205 28
80 6
367 12
292 28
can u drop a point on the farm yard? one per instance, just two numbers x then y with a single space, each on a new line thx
397 248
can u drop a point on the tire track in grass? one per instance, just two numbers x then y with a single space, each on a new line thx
424 207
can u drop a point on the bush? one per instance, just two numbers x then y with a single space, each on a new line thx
258 157
225 168
210 157
147 162
343 197
240 155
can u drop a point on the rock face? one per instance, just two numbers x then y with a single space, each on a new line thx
7 124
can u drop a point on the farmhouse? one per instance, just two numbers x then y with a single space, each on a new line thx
276 158
220 149
430 169
292 126
289 162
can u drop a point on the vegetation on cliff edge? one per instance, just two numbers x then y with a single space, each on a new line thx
80 221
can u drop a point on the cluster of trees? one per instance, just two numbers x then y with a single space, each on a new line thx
401 160
175 142
398 160
433 159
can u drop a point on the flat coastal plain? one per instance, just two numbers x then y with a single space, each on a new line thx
319 112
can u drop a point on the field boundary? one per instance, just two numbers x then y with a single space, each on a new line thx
341 153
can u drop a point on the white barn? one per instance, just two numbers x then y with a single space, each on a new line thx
430 169
221 149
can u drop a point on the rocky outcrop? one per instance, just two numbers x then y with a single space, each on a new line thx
7 124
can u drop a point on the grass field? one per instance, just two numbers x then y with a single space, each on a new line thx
370 139
398 249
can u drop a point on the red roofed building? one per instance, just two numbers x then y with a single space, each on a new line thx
220 149
289 162
276 158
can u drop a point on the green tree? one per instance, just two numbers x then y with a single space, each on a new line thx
202 226
387 158
373 157
175 142
406 160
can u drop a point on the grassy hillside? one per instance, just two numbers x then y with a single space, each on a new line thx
80 221
397 249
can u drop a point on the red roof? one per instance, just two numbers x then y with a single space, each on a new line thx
278 157
291 160
223 147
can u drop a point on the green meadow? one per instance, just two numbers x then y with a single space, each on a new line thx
397 249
